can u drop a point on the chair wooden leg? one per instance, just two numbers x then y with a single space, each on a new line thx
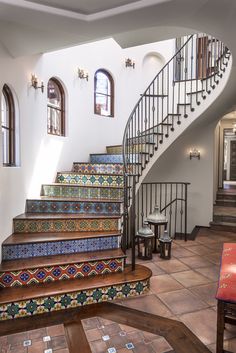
220 327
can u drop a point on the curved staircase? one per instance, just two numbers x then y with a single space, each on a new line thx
65 249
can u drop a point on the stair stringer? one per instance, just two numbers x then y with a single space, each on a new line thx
186 122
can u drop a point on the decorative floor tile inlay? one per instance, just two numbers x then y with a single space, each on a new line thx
87 180
23 251
64 225
63 206
27 343
71 300
85 192
60 272
88 168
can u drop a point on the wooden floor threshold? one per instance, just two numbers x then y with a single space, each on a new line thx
181 339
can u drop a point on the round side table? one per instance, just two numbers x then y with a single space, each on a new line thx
156 225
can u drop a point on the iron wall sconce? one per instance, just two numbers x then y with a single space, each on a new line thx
35 84
82 74
194 153
129 63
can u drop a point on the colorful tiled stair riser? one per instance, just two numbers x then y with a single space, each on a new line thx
83 192
87 180
71 300
28 250
61 225
87 168
60 272
63 206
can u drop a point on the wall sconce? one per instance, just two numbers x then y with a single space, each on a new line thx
82 74
34 83
129 63
194 153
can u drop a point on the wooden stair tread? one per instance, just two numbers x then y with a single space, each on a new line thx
43 261
23 238
76 199
92 173
85 186
52 216
16 294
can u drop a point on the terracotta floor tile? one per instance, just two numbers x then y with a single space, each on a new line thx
57 330
36 335
182 301
90 323
125 350
173 265
58 342
214 258
143 348
184 243
37 347
156 270
127 328
134 337
66 350
200 249
190 278
18 338
206 293
149 337
164 283
111 329
117 341
94 334
98 346
150 304
196 261
181 252
203 324
160 345
211 272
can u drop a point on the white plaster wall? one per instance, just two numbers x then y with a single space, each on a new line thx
175 165
41 155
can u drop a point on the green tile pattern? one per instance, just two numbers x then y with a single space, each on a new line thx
87 180
52 303
85 192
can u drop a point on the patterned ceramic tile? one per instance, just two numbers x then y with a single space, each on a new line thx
85 192
135 148
88 168
88 180
112 158
64 206
65 225
28 250
71 300
60 272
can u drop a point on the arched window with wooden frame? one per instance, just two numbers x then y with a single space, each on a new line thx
8 127
56 108
103 93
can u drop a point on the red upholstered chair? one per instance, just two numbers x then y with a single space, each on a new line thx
226 293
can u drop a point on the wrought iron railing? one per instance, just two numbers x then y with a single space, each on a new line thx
176 91
171 197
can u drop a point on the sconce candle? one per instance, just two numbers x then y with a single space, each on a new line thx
34 83
82 74
194 153
129 63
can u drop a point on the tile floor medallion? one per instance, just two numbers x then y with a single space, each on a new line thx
44 340
105 336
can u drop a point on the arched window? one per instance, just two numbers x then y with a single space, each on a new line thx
56 108
8 127
103 93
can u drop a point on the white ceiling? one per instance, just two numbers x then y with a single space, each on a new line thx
30 27
84 6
